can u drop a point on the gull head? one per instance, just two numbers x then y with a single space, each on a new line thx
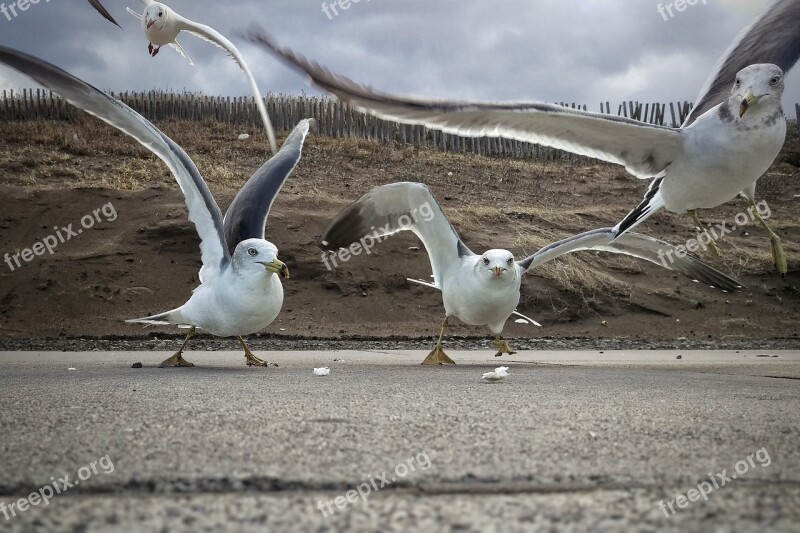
497 265
255 256
156 15
758 87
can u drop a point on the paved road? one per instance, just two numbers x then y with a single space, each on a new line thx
571 440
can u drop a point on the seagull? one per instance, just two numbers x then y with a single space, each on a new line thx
161 25
482 290
732 137
240 291
103 11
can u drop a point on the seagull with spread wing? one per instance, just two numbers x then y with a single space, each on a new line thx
103 11
735 132
162 25
484 290
240 291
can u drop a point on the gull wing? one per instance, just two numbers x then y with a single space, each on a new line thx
175 45
774 37
103 11
211 35
203 210
389 209
247 214
636 245
135 14
644 149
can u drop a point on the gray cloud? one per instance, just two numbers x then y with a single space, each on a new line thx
554 50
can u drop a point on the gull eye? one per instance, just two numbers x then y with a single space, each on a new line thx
775 81
510 261
738 83
252 252
485 261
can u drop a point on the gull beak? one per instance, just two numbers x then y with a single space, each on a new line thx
498 271
277 267
150 23
749 100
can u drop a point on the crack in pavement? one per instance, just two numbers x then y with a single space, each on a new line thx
267 485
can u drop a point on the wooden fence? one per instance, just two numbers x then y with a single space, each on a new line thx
334 119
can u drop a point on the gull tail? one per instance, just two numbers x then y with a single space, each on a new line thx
653 201
424 283
531 321
170 318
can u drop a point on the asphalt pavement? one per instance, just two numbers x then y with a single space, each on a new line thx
570 441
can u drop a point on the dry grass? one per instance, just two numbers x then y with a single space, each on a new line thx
540 202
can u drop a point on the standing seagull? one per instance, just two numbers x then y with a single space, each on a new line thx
240 291
483 290
161 25
733 136
103 11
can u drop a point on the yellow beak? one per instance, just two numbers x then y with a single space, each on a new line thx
277 267
498 271
749 99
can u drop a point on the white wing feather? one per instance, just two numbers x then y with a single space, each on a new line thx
211 35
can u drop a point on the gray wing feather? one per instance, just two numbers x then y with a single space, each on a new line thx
773 38
103 11
247 215
644 149
639 246
389 209
203 210
209 34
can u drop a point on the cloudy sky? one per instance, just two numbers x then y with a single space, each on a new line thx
584 51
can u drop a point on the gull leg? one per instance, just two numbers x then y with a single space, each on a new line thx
502 347
252 360
437 356
177 359
702 229
778 255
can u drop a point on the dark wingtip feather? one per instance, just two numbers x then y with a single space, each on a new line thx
348 227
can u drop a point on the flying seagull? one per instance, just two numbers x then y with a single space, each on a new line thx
103 11
483 290
240 291
732 137
161 25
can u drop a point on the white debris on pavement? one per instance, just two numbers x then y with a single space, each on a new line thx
500 373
